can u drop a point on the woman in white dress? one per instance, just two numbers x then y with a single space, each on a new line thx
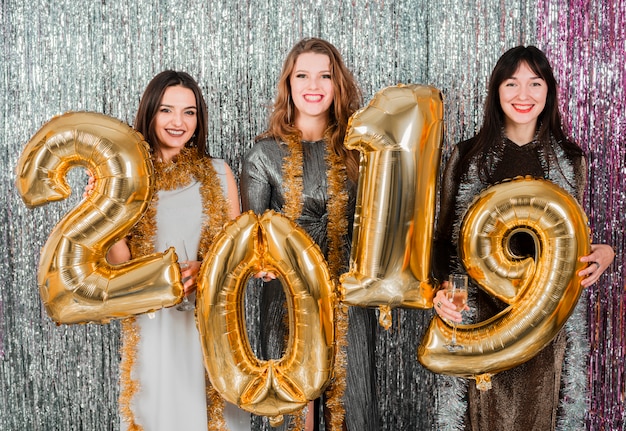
162 372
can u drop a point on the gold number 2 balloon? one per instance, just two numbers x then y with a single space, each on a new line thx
541 291
399 136
271 388
76 283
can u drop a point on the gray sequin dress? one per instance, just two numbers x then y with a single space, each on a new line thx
261 186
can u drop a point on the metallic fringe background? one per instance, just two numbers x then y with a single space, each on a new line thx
99 55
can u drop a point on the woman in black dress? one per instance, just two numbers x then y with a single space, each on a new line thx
521 135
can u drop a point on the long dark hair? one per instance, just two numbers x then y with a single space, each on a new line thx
151 100
346 101
549 121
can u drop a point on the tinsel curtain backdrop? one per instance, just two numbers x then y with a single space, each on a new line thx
99 55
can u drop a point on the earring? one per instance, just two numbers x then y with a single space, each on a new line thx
289 109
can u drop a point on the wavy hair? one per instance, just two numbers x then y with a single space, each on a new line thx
151 100
346 101
549 120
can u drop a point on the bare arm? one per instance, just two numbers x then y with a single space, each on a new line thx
118 253
232 193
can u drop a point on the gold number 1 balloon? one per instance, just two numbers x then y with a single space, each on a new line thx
541 291
399 136
76 283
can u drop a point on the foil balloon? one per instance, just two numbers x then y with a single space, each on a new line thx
246 246
541 291
399 135
76 283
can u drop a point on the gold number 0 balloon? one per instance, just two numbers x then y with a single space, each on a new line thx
399 136
274 387
76 283
541 292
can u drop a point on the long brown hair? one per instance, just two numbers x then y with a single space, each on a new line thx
151 100
346 101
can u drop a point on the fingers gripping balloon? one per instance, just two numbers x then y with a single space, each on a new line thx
76 283
399 136
541 291
274 243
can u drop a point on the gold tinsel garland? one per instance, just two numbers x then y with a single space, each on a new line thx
337 388
337 230
128 386
337 198
215 408
170 176
293 172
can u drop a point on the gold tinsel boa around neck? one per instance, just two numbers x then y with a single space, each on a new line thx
336 206
180 173
337 231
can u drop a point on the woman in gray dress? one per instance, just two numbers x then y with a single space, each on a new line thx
299 167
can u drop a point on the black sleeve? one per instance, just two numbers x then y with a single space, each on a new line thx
444 250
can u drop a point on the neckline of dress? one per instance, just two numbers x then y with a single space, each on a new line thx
528 145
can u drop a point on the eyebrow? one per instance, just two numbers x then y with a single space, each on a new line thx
513 76
171 106
306 71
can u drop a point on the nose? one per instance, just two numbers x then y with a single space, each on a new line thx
523 92
177 119
314 83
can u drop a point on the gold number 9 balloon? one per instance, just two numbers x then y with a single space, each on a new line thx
273 387
76 283
399 136
541 291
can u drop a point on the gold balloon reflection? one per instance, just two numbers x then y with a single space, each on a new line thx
76 283
399 135
248 245
541 291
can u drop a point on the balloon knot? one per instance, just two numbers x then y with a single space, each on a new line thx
384 318
483 382
277 420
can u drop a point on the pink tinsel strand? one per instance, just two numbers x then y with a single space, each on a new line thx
586 44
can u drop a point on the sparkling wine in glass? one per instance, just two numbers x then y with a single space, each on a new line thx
183 262
456 292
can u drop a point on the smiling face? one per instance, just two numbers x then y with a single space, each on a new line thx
522 98
311 87
175 121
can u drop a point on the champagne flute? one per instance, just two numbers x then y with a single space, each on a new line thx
183 262
456 292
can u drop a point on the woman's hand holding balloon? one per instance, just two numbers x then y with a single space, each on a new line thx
599 259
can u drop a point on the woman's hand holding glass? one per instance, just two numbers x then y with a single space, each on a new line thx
445 308
450 301
189 275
